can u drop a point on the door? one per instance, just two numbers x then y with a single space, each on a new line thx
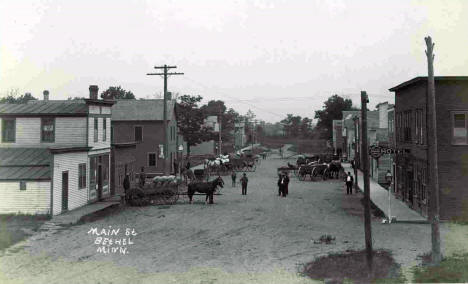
99 180
410 187
65 191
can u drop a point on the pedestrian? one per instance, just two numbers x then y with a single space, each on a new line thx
126 185
349 183
142 177
244 180
352 164
286 184
280 184
187 166
233 177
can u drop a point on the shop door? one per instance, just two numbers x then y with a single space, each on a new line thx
64 191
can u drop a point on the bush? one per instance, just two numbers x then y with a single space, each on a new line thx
451 269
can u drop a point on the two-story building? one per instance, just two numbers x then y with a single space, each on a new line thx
138 138
411 120
54 154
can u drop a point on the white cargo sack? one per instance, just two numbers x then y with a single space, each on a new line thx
348 178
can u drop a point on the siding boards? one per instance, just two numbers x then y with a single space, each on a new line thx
99 144
70 131
34 200
76 197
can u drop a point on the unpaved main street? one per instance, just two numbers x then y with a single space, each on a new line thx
258 238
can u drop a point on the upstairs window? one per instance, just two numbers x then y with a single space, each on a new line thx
104 129
47 129
8 129
96 132
138 133
459 128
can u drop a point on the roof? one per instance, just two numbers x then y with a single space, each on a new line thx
125 110
25 164
45 108
424 78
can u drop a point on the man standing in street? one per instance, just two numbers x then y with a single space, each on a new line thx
126 185
349 183
233 177
286 184
280 184
244 180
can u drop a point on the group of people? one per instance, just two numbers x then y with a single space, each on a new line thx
244 180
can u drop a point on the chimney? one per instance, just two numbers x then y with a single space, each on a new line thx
93 92
46 95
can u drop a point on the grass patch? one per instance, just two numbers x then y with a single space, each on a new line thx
451 269
15 228
352 267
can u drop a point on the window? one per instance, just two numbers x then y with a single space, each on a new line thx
151 159
96 129
459 128
138 133
8 129
104 129
47 129
407 119
22 185
82 176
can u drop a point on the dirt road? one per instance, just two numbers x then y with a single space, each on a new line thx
257 238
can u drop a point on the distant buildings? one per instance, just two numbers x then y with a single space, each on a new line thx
54 154
411 135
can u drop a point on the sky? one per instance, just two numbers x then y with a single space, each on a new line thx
273 57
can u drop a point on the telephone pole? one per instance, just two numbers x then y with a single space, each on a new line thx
365 164
356 121
219 134
166 132
433 176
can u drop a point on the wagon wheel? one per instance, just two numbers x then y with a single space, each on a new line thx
325 174
254 168
170 196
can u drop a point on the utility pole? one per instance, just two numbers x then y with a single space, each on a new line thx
433 176
365 163
355 120
219 134
166 132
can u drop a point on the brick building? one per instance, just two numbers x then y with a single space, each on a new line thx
452 138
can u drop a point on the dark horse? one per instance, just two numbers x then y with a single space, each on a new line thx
204 187
334 169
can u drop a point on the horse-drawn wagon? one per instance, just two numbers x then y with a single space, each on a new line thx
159 191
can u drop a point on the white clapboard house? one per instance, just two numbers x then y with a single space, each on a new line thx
54 155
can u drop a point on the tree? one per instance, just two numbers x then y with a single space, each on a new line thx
12 97
332 109
190 121
292 125
117 93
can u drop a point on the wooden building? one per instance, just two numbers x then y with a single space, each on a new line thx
138 138
411 122
54 154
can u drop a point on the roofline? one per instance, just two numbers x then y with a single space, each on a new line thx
43 114
23 179
99 102
69 150
423 78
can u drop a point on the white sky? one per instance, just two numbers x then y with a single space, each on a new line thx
275 57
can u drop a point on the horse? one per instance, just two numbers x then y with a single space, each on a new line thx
334 169
205 187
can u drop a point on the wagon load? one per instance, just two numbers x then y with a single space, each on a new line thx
162 190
